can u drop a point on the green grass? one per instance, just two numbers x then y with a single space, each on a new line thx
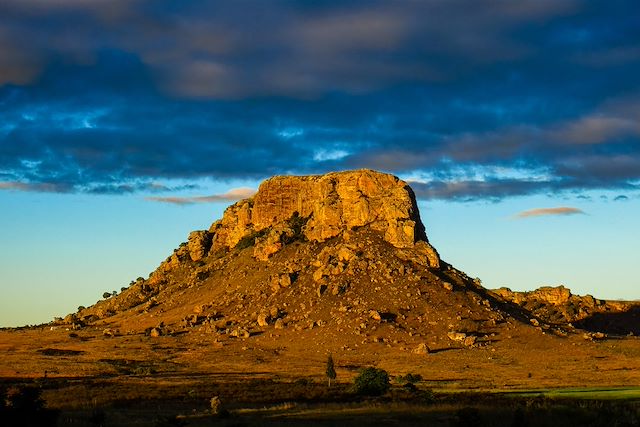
584 393
590 393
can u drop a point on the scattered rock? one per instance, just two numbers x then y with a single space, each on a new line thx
216 405
263 319
422 348
594 336
240 333
469 340
456 336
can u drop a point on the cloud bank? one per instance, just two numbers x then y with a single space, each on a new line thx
472 101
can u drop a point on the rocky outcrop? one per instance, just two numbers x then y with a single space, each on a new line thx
199 244
321 207
556 304
554 295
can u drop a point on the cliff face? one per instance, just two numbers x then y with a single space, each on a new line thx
559 305
319 208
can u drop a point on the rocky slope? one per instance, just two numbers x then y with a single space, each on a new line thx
339 260
557 305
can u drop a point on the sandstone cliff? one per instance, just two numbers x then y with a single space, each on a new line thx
319 208
558 305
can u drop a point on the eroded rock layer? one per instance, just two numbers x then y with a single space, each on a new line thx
321 207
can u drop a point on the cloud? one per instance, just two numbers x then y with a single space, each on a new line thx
549 211
34 187
231 195
306 88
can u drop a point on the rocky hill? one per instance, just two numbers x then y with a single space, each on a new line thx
339 260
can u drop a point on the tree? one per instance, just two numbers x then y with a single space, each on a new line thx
372 382
331 371
106 295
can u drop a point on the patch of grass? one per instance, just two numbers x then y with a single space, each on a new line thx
627 393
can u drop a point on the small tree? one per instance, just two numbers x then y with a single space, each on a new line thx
106 295
372 382
331 371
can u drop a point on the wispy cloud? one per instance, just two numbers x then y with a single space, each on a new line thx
34 187
549 211
231 195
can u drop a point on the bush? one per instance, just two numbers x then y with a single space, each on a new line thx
106 295
250 239
297 223
409 378
372 382
24 398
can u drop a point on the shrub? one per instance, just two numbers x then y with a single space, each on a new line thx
297 223
250 239
372 382
24 398
409 378
106 295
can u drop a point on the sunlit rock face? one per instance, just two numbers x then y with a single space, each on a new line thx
323 207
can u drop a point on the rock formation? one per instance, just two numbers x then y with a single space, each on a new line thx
319 208
556 304
342 259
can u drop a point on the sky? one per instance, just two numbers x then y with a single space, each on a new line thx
125 124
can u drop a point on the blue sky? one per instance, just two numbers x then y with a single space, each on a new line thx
124 124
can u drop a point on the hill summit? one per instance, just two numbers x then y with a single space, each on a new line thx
318 208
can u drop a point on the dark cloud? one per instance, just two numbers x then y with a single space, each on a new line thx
467 190
479 100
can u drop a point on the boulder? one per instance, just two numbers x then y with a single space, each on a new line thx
216 405
263 319
199 244
422 348
456 336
